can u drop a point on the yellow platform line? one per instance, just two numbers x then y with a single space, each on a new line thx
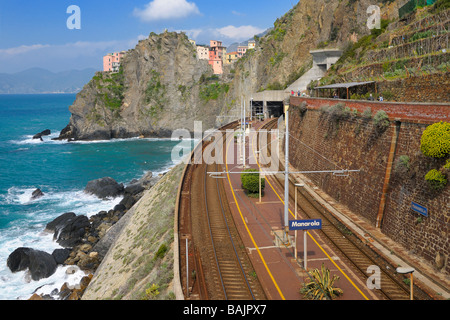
321 248
248 230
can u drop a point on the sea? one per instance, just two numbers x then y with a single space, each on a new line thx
61 170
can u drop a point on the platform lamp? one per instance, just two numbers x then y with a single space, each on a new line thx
297 185
409 271
286 103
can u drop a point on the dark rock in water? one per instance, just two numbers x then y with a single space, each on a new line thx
37 194
68 229
40 264
60 255
72 233
46 132
104 188
60 221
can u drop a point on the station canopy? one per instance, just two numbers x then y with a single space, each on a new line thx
344 85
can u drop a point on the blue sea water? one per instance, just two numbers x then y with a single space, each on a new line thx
61 170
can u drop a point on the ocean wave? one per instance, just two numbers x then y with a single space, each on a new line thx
28 140
28 231
74 200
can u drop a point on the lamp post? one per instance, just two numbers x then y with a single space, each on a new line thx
297 185
409 271
251 109
286 170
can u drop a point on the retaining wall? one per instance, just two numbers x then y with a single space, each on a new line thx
382 192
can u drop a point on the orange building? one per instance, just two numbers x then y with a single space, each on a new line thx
217 56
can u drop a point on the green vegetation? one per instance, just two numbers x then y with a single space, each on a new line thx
435 140
111 88
152 292
436 179
213 91
250 181
367 114
155 95
441 5
381 121
321 285
402 165
277 58
447 165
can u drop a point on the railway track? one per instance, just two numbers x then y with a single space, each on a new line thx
352 249
214 262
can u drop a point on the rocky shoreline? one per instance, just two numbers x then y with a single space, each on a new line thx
82 239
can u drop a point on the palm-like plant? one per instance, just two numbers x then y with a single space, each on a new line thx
321 285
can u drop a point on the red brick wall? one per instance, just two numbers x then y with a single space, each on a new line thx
318 144
415 112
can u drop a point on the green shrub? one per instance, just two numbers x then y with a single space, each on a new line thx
402 165
436 179
367 113
435 140
321 286
213 91
338 112
447 165
161 252
250 181
381 120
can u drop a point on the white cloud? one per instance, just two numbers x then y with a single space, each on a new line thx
239 33
22 49
166 9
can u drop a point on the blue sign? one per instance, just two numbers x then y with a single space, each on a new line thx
419 209
305 224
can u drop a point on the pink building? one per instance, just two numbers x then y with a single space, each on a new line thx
241 51
217 56
111 62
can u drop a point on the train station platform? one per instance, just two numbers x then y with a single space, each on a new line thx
282 275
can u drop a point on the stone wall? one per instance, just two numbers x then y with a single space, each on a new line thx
433 87
382 191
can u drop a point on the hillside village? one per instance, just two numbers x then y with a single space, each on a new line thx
216 55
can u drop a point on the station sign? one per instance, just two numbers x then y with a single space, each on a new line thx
305 224
419 209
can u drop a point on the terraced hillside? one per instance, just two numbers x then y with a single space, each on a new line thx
408 58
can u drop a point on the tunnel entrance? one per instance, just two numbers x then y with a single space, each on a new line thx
257 108
275 109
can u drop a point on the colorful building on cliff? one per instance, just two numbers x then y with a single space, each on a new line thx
111 62
241 50
231 57
202 52
217 56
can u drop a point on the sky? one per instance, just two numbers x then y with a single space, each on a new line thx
54 35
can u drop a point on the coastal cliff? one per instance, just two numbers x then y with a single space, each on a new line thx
156 91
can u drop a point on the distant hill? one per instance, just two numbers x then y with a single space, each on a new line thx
37 80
